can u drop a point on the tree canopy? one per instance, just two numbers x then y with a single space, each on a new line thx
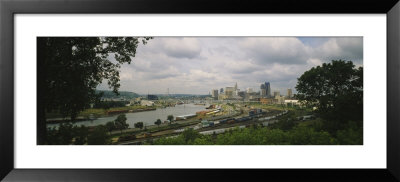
110 126
170 117
139 125
99 136
120 122
70 68
335 89
158 122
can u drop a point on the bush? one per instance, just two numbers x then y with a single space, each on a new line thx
80 135
126 138
307 136
99 136
352 135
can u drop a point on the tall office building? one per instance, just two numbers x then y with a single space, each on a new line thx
221 90
263 90
289 93
267 89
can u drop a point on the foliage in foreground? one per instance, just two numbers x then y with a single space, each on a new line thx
68 134
305 134
70 69
336 91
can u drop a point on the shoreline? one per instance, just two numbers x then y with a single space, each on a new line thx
82 118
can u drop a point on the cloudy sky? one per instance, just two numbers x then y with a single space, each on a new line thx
195 65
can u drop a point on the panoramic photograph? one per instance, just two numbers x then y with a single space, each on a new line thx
199 91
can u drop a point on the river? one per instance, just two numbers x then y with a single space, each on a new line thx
147 117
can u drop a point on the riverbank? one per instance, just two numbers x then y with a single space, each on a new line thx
92 114
148 118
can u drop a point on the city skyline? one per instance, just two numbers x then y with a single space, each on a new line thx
196 65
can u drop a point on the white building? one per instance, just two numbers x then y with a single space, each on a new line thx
237 92
280 99
292 102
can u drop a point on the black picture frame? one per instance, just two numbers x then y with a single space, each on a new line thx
9 8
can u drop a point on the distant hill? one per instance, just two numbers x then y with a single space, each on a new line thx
184 95
125 94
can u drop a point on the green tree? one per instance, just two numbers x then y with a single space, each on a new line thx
170 141
65 133
336 90
110 126
70 69
190 135
52 135
139 125
99 136
120 122
351 135
158 122
203 140
286 122
80 135
307 136
170 118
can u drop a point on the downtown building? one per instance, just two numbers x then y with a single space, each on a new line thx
289 93
214 94
265 90
231 93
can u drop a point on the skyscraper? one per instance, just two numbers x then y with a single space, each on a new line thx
268 89
221 90
263 91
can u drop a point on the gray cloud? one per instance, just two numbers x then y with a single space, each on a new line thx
341 48
268 50
198 64
181 47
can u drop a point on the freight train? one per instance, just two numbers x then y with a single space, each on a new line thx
253 114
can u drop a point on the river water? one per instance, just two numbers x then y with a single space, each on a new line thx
147 117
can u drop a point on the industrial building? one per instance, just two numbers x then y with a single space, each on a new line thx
268 101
